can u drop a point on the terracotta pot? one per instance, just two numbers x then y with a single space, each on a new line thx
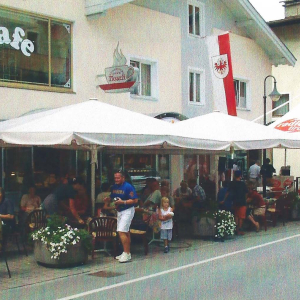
76 255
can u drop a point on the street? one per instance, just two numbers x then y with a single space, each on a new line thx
261 265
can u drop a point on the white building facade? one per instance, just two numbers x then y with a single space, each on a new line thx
55 54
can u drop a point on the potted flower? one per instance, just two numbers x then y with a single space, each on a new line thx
60 245
214 223
225 224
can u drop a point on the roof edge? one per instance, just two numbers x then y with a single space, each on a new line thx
287 54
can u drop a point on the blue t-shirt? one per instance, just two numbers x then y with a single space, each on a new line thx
125 191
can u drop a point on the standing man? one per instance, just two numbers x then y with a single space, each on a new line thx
124 195
254 174
267 171
238 190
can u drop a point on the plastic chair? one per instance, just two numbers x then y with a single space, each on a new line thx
282 208
103 229
139 228
36 220
262 219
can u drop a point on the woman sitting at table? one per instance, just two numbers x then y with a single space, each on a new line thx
30 201
256 201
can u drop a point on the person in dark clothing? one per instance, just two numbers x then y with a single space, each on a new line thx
225 204
6 210
267 171
63 198
238 190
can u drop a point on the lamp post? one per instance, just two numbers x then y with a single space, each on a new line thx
275 96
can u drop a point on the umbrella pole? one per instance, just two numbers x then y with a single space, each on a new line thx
94 162
232 156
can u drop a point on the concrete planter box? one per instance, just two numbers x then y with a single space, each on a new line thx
205 227
76 255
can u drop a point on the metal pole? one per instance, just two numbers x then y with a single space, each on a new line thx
265 123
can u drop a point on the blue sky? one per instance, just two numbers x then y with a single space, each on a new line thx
269 9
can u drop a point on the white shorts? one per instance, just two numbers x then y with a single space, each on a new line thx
124 219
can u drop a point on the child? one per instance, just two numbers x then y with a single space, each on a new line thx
165 214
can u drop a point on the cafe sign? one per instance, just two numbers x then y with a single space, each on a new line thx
17 42
120 77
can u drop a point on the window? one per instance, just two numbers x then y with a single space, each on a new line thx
34 50
147 81
240 88
282 110
196 18
196 87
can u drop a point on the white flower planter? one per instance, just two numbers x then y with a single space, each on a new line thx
205 227
76 255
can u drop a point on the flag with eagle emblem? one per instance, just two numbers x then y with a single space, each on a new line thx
222 76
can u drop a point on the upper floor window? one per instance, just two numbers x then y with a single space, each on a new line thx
196 87
240 88
283 109
147 82
34 50
196 18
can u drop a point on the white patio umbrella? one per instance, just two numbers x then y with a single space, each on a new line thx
218 131
89 125
289 124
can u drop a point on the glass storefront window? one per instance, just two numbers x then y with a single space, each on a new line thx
191 168
24 50
164 166
17 168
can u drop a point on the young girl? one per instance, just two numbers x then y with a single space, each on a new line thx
166 214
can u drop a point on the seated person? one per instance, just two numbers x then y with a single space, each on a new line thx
82 203
6 213
153 200
256 200
30 201
109 207
183 201
183 193
198 194
165 192
105 192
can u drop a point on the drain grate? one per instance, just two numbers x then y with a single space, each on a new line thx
106 274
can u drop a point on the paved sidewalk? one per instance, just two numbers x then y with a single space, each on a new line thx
25 271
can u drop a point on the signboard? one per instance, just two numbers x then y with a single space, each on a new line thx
120 77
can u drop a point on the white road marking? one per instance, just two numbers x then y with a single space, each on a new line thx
176 269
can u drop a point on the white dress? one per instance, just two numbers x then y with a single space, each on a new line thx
168 224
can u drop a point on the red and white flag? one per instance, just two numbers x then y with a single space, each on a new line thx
222 76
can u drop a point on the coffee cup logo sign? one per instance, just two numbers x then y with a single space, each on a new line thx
120 77
26 46
292 125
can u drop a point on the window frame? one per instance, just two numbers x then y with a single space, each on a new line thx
247 83
201 72
36 86
201 7
154 78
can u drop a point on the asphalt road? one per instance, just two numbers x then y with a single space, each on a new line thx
255 266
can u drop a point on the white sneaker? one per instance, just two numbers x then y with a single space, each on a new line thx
119 256
125 257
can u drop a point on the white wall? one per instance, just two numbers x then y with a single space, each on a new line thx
140 31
